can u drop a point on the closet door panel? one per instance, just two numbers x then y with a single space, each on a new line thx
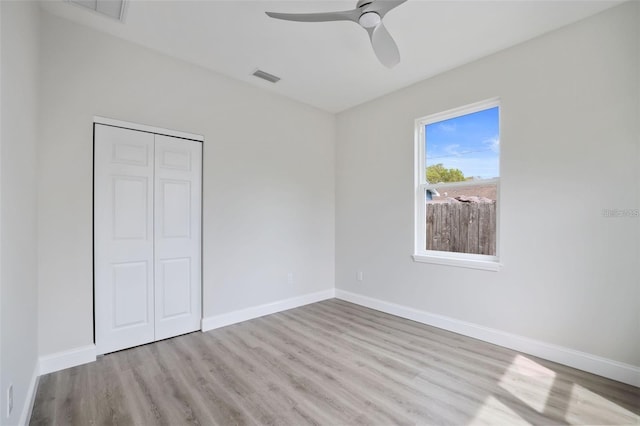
177 236
123 238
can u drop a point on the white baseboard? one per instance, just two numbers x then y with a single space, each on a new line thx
71 358
601 366
605 367
85 354
30 398
234 317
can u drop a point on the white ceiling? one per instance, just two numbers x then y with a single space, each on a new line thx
331 65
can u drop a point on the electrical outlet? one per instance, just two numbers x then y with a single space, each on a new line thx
290 278
360 276
9 400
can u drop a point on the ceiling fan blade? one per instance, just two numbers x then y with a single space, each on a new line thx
383 45
381 7
345 15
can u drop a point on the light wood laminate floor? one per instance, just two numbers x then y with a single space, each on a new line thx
328 363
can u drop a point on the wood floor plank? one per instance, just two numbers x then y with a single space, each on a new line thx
333 373
395 395
328 363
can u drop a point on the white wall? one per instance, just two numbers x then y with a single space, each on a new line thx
18 279
570 148
268 176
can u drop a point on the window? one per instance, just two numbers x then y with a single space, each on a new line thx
457 186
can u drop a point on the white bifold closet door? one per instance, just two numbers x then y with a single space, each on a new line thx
147 227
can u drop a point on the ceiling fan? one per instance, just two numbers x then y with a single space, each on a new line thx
368 14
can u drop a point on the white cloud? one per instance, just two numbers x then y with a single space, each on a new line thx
493 143
453 149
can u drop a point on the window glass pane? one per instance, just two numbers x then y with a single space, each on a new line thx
462 219
463 148
462 172
473 193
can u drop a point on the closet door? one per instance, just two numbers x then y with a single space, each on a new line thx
177 236
123 238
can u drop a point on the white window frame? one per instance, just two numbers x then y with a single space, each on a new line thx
421 254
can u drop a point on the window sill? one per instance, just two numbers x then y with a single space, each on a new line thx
486 265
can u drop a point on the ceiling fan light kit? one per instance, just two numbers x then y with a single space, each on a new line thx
368 14
369 19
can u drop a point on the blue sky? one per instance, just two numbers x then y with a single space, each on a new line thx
470 143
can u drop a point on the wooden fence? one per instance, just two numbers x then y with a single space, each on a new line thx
462 227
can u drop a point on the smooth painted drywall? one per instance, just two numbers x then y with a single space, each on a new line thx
268 185
18 138
569 148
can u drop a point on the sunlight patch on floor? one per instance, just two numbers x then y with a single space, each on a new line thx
494 412
528 381
585 404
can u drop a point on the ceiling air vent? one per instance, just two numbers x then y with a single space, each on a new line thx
266 76
111 8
